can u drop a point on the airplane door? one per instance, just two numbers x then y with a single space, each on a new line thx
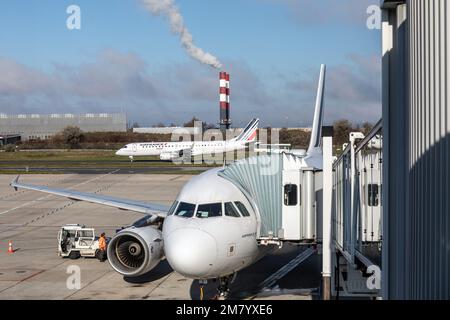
134 147
291 206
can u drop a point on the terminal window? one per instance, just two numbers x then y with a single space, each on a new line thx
290 195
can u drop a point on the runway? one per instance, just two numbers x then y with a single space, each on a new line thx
31 221
96 167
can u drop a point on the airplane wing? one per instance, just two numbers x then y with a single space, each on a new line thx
124 204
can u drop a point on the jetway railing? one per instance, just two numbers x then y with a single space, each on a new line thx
357 208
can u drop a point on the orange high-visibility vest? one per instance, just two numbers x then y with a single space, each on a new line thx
102 243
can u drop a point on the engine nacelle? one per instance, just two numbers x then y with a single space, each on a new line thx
135 251
167 156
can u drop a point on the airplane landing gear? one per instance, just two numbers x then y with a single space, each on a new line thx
202 284
131 158
223 290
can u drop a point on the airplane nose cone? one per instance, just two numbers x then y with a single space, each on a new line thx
191 252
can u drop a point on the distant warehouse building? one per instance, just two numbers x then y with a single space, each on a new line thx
38 126
168 130
9 139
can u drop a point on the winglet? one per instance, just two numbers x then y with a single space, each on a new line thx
14 182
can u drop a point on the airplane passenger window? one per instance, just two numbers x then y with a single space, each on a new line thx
231 211
185 210
172 208
209 210
290 195
242 209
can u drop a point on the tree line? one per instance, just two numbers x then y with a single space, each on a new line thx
74 138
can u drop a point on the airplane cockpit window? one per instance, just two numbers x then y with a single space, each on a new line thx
172 208
209 210
125 147
242 209
185 210
231 211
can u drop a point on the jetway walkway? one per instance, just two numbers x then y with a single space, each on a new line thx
284 193
357 215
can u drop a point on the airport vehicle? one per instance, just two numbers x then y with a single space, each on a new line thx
174 150
75 241
224 219
278 148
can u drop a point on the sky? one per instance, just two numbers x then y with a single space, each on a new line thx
127 58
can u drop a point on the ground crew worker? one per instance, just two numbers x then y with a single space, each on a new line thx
102 247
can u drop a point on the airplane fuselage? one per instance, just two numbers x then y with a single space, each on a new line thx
173 150
140 149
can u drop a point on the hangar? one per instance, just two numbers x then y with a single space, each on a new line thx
39 126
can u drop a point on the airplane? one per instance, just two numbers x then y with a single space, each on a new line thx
172 150
209 232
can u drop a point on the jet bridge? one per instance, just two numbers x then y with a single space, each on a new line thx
357 212
285 194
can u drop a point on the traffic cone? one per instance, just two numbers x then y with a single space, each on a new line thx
10 248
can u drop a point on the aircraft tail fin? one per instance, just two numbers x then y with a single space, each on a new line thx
316 132
249 133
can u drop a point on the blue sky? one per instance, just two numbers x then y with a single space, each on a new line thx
126 58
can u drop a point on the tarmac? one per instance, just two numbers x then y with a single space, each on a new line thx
31 221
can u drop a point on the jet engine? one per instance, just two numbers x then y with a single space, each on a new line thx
135 251
167 156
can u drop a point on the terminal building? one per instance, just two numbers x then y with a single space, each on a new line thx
391 188
38 126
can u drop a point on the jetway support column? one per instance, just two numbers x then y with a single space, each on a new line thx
327 146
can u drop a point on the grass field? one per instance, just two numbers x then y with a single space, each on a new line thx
64 155
17 162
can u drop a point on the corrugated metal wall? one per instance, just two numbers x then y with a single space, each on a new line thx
428 139
418 151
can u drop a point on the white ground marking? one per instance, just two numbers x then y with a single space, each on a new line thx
48 196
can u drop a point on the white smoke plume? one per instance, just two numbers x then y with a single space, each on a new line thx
169 9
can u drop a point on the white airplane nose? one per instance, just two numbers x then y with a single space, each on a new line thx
191 252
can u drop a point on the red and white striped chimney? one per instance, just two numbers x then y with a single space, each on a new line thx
224 97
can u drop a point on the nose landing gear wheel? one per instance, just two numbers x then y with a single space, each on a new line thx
223 289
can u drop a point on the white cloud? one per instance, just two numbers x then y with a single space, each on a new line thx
173 93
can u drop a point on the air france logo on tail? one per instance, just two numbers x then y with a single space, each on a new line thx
252 137
249 133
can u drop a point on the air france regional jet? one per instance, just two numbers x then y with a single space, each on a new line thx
210 231
174 150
